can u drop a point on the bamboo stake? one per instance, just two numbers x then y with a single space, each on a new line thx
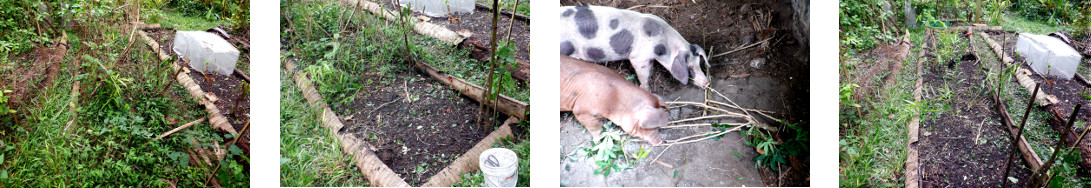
492 63
1036 177
187 125
217 169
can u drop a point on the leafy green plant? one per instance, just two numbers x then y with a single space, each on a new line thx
475 179
607 153
503 82
4 109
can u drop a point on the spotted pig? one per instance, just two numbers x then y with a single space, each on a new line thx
601 34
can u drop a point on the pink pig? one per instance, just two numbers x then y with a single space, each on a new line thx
593 92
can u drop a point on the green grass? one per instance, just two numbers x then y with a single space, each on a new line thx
183 22
508 5
1024 25
310 155
106 146
341 61
119 111
872 148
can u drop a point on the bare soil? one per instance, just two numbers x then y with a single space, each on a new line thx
966 144
33 71
724 26
415 121
880 68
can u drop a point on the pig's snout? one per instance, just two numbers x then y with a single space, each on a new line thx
653 137
700 80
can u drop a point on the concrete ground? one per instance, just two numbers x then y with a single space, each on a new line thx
726 162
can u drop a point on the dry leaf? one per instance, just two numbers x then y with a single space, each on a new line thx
211 97
465 33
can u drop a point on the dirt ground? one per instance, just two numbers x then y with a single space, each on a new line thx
882 65
705 163
33 71
966 145
414 121
779 84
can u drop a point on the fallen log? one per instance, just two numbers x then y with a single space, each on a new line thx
468 162
1022 75
215 118
1057 121
1031 157
505 104
422 27
912 158
242 75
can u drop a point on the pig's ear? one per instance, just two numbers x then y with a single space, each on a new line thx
653 118
659 102
679 69
700 52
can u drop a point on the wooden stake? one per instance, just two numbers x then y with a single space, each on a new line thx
1019 133
1037 179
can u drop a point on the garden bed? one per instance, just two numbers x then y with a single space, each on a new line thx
230 93
963 143
1068 94
419 134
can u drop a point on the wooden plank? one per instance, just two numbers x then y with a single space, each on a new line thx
505 104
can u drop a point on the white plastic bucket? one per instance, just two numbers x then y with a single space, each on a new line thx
499 166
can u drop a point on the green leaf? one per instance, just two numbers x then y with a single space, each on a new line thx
1013 180
736 154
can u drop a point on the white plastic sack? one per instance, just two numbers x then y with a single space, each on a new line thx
1048 55
206 52
439 8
